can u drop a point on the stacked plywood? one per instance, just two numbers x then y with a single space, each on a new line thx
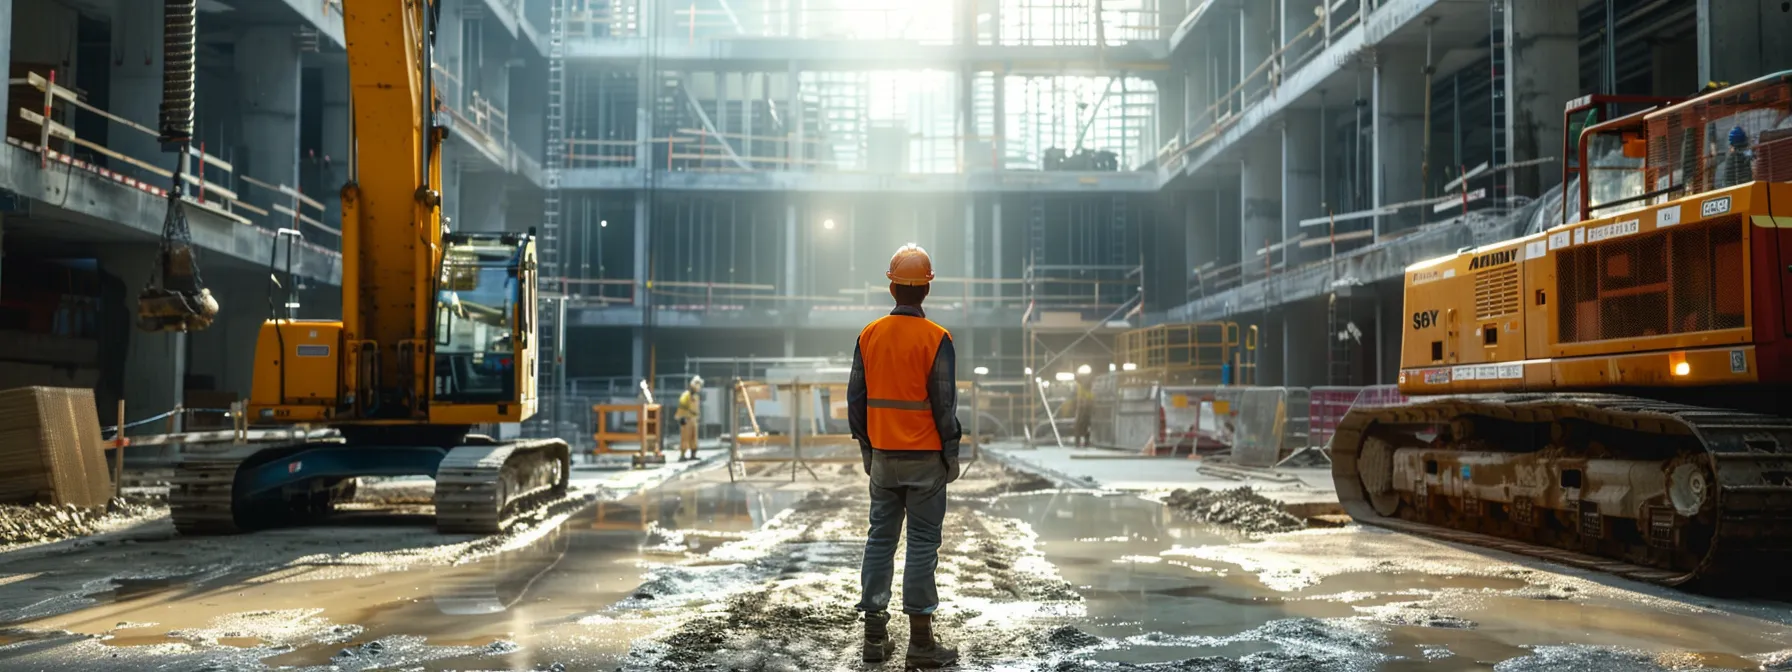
50 448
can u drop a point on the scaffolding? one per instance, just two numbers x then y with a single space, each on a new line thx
1202 353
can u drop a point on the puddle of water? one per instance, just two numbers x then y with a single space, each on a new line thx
532 596
1109 548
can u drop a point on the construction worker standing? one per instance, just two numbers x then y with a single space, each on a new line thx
902 405
689 414
1085 409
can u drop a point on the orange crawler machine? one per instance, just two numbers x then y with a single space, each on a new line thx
1610 393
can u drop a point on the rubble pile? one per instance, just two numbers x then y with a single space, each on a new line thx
1240 508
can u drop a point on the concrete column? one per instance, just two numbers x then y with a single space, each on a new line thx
1737 41
5 46
225 351
1195 85
1171 114
1260 202
970 241
790 250
155 364
638 354
1302 197
136 85
1198 211
789 342
643 231
995 246
1256 40
337 140
1397 110
1305 365
1001 104
793 119
1541 35
1227 225
451 189
268 67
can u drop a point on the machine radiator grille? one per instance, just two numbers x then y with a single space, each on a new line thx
1676 281
1496 292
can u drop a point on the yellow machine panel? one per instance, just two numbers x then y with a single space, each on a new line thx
1652 297
298 382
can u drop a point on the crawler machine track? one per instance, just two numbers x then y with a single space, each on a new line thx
481 488
1658 492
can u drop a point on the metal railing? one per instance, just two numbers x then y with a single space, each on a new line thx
205 175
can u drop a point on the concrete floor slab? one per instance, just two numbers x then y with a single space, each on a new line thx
1112 470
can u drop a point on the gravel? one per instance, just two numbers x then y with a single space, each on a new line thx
1240 508
38 523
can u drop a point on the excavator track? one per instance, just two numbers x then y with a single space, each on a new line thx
482 489
1723 519
201 493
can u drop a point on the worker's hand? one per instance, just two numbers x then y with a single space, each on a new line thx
953 470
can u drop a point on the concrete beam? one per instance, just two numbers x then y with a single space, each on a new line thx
774 55
86 207
790 181
1381 262
797 318
1378 26
268 73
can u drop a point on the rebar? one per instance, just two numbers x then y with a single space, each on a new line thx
179 47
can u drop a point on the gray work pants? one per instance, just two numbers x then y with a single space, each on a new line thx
911 485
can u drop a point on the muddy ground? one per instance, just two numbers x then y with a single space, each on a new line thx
707 574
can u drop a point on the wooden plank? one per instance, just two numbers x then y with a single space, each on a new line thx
286 190
1342 237
239 204
210 187
41 83
56 130
289 213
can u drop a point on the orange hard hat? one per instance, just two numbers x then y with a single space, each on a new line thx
910 266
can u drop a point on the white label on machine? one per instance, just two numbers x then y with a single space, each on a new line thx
1510 371
1558 240
1580 236
1714 207
1535 250
1667 216
1463 373
1738 362
1609 231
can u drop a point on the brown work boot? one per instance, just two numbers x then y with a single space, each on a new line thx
878 647
923 652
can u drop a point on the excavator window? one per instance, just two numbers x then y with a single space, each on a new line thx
1437 351
476 321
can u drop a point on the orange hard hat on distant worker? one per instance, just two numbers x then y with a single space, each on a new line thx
910 266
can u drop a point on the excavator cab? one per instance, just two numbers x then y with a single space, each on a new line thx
482 321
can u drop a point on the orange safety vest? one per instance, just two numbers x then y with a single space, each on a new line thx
897 352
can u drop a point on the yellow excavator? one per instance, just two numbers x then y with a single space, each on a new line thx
437 333
1614 392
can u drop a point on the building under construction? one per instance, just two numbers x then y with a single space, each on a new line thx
726 179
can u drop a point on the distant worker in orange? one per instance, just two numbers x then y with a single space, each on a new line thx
902 404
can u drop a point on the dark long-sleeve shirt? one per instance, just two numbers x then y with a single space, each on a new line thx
942 394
